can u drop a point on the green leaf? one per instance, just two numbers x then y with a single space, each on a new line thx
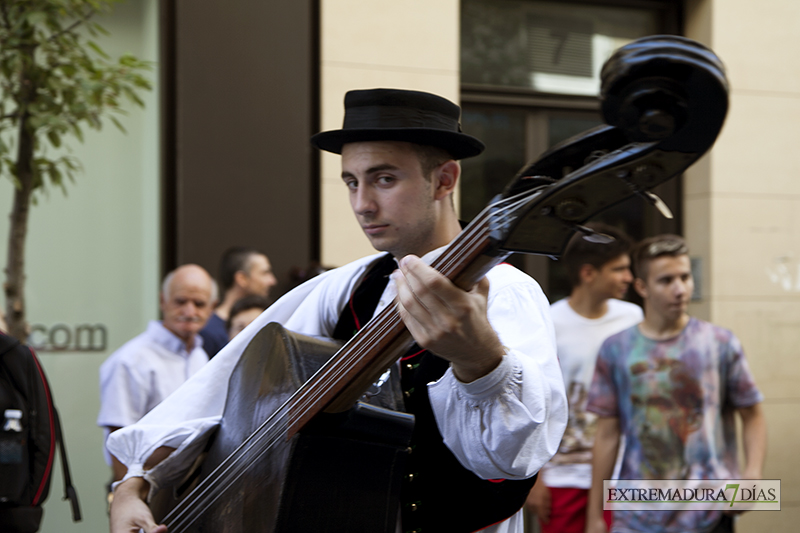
55 174
69 70
99 51
77 131
54 138
36 17
117 123
100 29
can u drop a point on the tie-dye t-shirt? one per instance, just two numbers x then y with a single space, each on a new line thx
675 400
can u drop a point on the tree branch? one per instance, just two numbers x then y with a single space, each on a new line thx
6 22
89 14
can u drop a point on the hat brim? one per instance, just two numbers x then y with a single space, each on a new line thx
459 145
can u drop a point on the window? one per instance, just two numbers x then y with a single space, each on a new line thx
551 47
530 79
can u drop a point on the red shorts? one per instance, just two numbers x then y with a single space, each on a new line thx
568 511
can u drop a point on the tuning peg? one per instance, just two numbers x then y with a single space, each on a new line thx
591 235
658 203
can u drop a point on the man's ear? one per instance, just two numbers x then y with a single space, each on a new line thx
587 273
641 287
240 278
446 176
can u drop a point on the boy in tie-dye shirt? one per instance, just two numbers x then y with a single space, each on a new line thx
671 386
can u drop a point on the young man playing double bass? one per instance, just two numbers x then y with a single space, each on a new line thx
490 406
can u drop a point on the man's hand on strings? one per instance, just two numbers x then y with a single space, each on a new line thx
129 512
447 320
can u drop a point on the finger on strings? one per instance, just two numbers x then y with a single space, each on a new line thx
482 287
407 296
431 288
414 326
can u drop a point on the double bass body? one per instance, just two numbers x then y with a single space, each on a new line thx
342 472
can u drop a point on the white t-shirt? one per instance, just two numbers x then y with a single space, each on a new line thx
578 341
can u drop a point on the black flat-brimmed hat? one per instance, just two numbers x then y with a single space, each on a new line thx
400 115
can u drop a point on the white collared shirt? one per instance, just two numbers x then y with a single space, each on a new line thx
144 371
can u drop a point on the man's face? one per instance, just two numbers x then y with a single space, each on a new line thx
242 320
393 202
668 287
613 278
187 304
259 278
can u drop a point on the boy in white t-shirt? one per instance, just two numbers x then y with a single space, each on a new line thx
600 275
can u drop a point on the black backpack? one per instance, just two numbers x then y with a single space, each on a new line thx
29 432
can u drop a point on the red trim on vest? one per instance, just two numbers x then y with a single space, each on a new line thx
358 327
406 358
50 457
353 311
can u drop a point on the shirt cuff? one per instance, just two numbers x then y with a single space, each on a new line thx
133 471
489 385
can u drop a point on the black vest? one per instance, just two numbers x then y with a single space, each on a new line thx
439 495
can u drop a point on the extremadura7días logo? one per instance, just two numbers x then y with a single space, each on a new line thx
692 494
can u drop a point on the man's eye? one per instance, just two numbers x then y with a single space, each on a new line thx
385 179
351 184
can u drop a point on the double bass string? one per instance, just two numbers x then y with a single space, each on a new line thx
216 483
307 398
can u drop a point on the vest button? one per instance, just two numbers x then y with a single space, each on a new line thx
409 366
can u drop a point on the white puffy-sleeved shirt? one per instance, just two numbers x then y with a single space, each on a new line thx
506 424
144 371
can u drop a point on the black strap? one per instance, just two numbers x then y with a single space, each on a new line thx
69 490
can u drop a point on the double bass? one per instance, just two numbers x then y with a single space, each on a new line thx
297 450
